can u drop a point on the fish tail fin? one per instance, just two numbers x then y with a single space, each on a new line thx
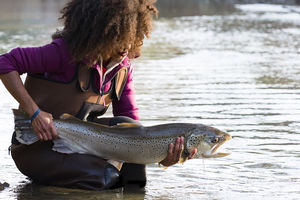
23 128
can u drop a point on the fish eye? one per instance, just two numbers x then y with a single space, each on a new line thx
215 140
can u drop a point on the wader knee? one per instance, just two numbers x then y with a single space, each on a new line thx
133 175
47 167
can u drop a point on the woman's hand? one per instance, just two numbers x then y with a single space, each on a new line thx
43 126
174 153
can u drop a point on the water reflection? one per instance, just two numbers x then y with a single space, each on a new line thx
33 191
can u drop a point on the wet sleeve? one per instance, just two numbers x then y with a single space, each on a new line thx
127 105
34 60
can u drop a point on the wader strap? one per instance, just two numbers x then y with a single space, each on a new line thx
84 78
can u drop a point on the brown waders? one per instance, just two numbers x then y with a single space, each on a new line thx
48 167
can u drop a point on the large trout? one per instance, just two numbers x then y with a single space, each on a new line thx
133 144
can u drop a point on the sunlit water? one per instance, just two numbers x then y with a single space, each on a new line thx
238 72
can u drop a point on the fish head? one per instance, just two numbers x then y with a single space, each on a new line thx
207 140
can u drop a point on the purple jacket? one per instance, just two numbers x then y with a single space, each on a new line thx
54 61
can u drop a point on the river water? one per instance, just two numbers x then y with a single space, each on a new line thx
237 70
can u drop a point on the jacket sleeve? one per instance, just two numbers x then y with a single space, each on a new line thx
33 60
127 105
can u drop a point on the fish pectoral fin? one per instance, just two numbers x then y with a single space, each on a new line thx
184 156
217 155
182 159
125 124
222 154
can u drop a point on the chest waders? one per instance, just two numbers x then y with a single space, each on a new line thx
77 97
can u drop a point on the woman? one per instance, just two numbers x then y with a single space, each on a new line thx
84 69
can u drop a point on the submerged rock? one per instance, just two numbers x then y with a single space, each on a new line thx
3 185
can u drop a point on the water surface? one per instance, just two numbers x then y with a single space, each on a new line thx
237 70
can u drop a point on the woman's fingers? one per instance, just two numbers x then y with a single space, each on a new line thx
48 133
174 152
171 150
192 154
38 131
178 149
54 132
40 135
43 126
45 135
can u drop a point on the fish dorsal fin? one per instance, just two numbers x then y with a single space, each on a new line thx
126 124
68 116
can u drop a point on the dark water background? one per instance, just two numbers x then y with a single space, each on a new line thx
230 64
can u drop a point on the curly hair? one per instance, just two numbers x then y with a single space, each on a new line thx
105 27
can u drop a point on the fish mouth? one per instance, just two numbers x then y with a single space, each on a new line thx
213 153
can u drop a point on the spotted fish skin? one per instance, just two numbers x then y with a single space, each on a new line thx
137 144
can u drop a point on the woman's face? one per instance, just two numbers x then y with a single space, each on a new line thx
124 52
